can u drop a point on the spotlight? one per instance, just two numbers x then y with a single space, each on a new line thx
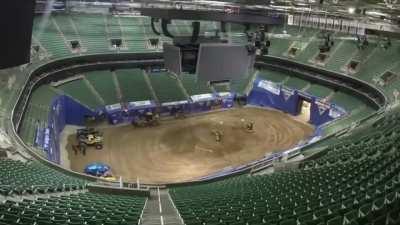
351 10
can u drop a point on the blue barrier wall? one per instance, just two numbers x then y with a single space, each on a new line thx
64 110
269 94
123 113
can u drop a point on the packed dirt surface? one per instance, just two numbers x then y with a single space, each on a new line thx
185 149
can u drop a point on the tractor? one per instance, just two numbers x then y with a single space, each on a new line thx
148 120
89 137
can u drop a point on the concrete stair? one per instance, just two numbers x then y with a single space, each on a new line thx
169 212
160 210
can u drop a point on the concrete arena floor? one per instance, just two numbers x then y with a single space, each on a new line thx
185 149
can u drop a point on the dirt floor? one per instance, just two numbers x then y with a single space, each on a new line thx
185 149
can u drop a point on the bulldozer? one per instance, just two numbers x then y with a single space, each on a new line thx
89 137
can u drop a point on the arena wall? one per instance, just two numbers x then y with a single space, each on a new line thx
269 94
59 70
64 110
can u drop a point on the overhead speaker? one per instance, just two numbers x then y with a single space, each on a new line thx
16 21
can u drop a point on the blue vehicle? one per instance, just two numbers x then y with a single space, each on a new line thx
97 169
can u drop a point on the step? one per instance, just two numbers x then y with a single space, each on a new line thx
160 210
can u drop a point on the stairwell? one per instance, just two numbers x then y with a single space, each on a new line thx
94 91
249 85
151 212
306 87
169 212
62 35
83 47
160 210
117 86
148 82
183 89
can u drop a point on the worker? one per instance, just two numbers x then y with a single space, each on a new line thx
218 135
75 149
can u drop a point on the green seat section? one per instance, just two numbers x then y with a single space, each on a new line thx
240 85
319 90
182 28
166 87
295 83
36 115
342 55
104 84
113 27
10 81
79 91
279 46
347 101
238 38
363 54
133 85
272 75
92 29
66 26
34 178
133 33
50 38
76 209
310 50
379 58
222 87
355 115
192 86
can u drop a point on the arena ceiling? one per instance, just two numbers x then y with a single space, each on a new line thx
384 13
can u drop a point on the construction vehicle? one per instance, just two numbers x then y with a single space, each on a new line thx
148 120
89 137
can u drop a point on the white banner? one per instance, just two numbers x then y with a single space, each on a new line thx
224 94
113 107
174 103
140 103
202 97
269 86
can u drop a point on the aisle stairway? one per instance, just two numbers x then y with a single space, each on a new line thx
159 210
169 212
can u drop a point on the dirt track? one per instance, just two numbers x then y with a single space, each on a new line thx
185 149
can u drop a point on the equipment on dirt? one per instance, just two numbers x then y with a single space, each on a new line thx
148 120
218 135
89 137
250 126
